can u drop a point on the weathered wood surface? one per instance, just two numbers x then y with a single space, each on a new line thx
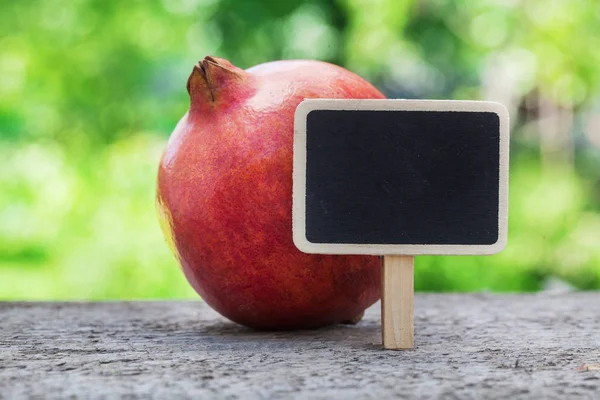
466 346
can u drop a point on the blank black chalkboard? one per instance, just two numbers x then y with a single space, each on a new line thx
412 177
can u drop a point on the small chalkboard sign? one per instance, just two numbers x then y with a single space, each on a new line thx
403 178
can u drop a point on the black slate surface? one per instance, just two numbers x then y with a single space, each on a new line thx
402 177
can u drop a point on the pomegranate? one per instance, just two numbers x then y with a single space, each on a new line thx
225 198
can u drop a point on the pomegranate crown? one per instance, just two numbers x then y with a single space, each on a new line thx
211 79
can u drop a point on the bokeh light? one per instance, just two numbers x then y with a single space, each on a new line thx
90 90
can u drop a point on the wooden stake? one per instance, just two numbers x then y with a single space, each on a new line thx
397 302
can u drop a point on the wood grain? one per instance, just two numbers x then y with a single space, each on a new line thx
397 303
470 346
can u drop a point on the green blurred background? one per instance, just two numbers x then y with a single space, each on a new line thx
90 90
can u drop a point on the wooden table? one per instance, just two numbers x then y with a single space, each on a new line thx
467 346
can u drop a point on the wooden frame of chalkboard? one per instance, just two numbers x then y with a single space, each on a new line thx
432 106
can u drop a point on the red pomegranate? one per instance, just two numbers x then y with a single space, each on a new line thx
225 198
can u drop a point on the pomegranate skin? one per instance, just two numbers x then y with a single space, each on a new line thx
224 198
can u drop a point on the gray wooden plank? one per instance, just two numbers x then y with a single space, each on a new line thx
466 346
